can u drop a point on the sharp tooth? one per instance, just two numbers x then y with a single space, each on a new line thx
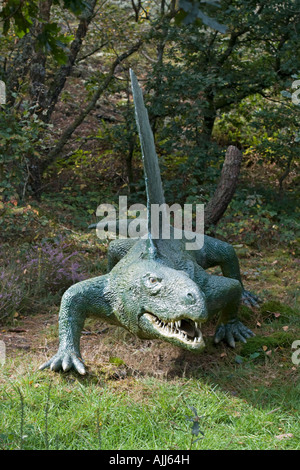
195 340
179 323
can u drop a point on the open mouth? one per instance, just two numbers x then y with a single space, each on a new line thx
185 330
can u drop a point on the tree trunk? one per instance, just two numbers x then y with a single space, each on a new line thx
65 70
226 187
208 124
17 71
38 89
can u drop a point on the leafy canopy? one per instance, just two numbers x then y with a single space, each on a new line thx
21 15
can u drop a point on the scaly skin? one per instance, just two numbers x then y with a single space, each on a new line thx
168 299
155 289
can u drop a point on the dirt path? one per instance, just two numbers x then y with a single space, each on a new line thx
107 348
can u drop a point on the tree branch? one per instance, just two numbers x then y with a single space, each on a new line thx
38 61
231 45
65 70
89 54
55 152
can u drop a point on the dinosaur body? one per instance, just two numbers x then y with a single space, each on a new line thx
156 289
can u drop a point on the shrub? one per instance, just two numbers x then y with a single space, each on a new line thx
38 275
52 267
20 221
11 293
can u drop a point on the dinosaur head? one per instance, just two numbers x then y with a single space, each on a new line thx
155 301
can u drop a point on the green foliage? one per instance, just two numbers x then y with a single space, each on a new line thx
21 222
51 40
20 15
276 310
191 13
203 74
266 128
117 361
20 143
279 339
259 217
12 291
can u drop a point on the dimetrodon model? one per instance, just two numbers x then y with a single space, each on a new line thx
156 288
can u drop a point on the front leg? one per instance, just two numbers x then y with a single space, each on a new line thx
79 301
224 295
218 253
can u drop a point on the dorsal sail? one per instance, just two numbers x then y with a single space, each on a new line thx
154 188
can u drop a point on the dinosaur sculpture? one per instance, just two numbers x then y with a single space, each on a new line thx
156 289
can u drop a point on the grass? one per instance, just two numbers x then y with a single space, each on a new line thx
250 404
144 414
137 394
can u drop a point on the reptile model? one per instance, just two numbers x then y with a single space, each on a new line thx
155 288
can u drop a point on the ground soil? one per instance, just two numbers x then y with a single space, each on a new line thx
109 349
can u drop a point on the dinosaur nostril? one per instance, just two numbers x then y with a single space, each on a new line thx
191 298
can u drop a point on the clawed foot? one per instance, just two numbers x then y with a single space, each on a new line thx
65 360
233 331
249 299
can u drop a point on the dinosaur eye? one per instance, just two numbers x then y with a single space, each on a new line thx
152 282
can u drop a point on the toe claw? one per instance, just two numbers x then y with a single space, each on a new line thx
250 300
56 365
230 339
45 365
231 332
78 364
220 334
65 361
